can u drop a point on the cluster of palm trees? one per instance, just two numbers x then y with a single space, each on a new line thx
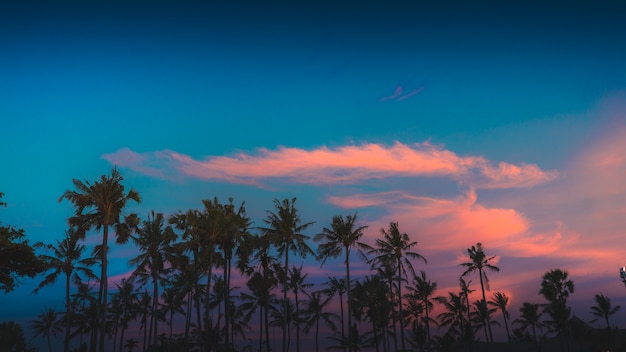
181 296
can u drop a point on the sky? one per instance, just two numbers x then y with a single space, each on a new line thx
464 123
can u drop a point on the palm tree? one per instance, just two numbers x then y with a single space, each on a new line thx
501 302
342 236
297 285
453 315
285 232
482 317
131 344
479 262
339 287
314 313
395 247
126 300
556 288
172 304
465 293
603 310
372 301
530 317
101 205
423 290
66 259
232 236
46 325
85 307
153 239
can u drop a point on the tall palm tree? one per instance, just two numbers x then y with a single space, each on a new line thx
314 314
465 292
85 307
100 205
66 259
297 285
501 302
603 310
126 300
395 247
173 301
342 236
530 317
479 261
285 231
422 290
153 239
337 287
230 241
46 325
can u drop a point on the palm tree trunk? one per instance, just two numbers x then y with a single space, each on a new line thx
267 330
49 343
208 298
400 304
68 314
317 334
227 302
482 287
349 302
297 323
506 325
155 303
104 284
285 318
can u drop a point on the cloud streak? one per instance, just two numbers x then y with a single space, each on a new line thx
342 165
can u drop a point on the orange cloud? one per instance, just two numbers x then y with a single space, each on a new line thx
343 165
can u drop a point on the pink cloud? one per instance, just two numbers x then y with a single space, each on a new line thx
342 165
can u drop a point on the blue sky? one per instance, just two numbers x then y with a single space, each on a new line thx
534 86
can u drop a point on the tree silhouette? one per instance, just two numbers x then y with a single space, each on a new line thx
501 302
66 259
603 310
46 325
285 232
395 247
479 261
101 205
153 239
342 236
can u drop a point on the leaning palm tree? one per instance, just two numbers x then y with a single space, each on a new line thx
478 263
342 236
100 205
395 248
603 310
153 239
47 325
501 302
66 259
285 232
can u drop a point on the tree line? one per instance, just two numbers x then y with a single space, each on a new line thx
181 296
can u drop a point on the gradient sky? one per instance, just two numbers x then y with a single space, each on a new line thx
464 123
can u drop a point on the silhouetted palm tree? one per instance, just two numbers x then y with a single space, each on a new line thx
297 285
482 317
501 302
126 301
342 236
453 315
603 310
153 239
314 314
66 259
46 325
530 317
131 344
556 288
479 262
422 291
285 232
101 205
337 287
395 247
